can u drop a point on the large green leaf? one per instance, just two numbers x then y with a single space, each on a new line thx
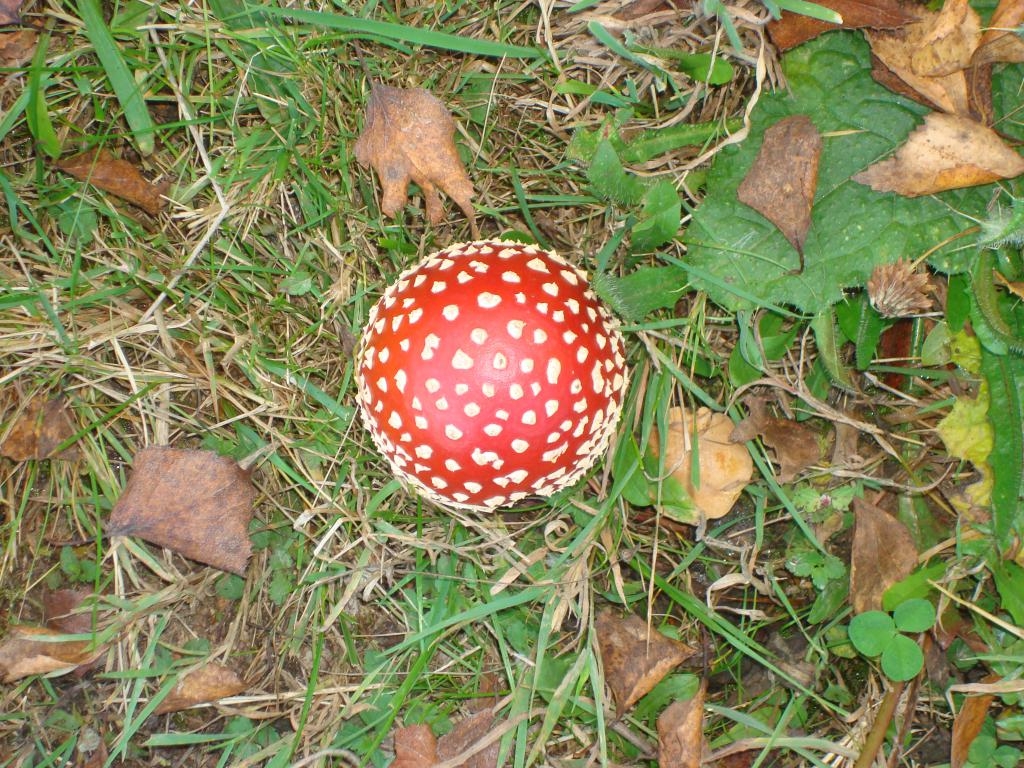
853 228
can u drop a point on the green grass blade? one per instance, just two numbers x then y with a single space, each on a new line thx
405 34
136 113
37 115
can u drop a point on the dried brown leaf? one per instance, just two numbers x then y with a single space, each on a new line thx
196 503
681 732
792 29
61 614
724 468
200 686
968 722
795 446
947 152
635 658
10 12
17 47
467 733
408 137
41 428
1000 42
950 38
883 552
29 650
116 176
415 747
895 49
784 177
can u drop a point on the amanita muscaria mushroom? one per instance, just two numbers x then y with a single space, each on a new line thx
489 372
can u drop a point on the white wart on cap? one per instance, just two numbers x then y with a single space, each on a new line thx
490 372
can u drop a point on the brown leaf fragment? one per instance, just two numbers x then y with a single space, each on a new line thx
10 12
792 29
795 446
1000 41
947 152
968 722
635 658
29 650
466 735
781 183
17 47
415 747
118 177
949 39
979 94
889 79
724 468
408 137
883 552
200 686
41 428
681 732
195 503
895 50
1015 287
61 614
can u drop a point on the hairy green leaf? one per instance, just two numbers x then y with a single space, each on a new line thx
853 228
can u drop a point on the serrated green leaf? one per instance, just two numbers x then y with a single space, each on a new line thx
853 228
610 180
659 218
639 293
902 659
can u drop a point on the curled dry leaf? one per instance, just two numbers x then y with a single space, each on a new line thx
792 29
1000 42
795 446
724 468
634 657
894 51
200 686
28 650
118 177
949 40
196 503
781 183
408 137
967 724
947 152
42 427
883 552
681 732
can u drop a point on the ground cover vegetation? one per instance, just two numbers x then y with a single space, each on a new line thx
804 544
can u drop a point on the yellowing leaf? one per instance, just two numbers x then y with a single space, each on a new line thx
968 435
947 152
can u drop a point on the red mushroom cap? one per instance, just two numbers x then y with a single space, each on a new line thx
489 372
